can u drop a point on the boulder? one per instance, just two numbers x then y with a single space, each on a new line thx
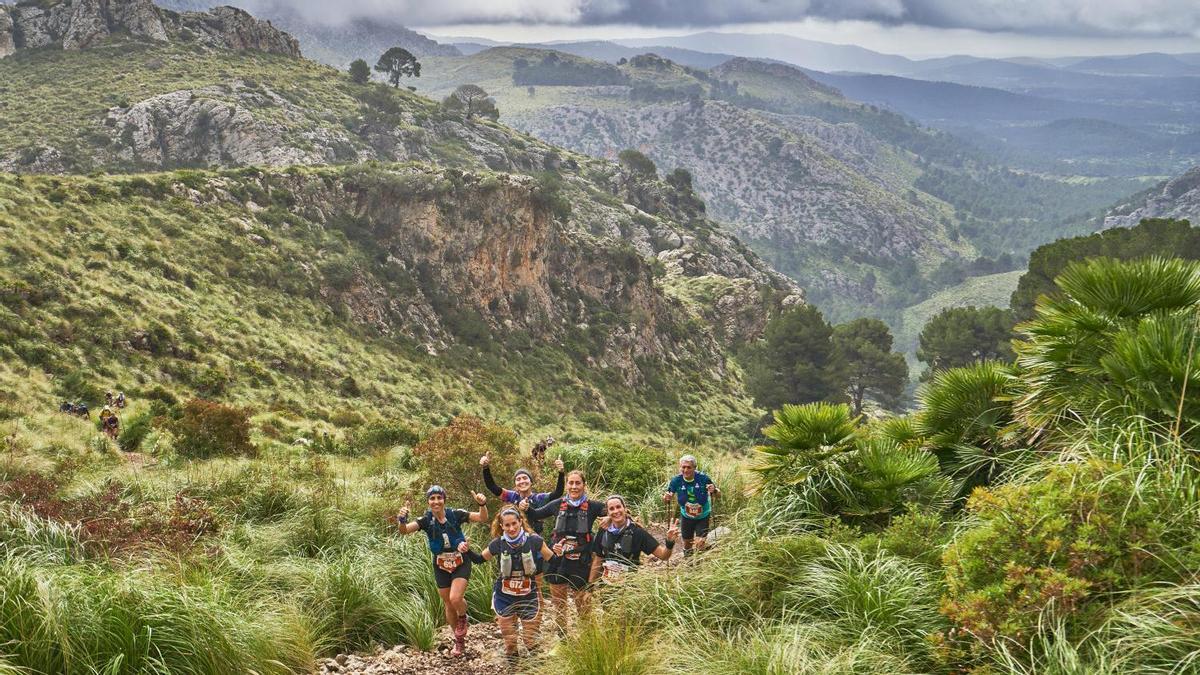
79 24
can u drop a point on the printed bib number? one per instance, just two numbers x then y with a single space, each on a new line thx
517 585
693 510
448 562
612 570
570 549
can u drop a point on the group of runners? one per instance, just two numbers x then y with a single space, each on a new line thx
573 558
110 424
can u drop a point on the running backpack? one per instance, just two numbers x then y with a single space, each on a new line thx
573 523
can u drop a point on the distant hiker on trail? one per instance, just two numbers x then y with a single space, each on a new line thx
620 545
121 399
539 450
521 556
694 492
523 482
66 407
112 426
81 410
568 573
447 544
108 398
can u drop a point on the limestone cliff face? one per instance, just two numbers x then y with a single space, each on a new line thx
79 24
468 254
1176 198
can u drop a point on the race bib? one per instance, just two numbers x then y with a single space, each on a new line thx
612 570
570 549
517 585
448 562
693 510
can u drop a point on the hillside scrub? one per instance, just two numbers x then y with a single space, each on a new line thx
1070 547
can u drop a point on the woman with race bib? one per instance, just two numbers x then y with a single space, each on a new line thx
567 574
447 543
620 545
521 557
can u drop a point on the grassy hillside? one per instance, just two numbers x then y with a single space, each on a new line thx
260 288
993 290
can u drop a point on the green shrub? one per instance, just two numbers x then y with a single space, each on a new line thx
381 435
611 467
1055 549
207 429
135 428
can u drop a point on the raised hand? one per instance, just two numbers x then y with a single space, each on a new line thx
479 499
558 548
668 497
485 460
672 532
464 546
711 488
523 505
558 464
403 511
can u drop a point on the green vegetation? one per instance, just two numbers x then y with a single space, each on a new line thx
960 336
1152 236
396 63
169 285
360 72
802 358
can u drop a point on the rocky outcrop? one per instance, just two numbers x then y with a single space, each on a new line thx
8 45
780 179
215 126
471 254
79 24
234 28
1177 198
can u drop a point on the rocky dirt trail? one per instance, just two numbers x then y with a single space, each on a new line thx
484 656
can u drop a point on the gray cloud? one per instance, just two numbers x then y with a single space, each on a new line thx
1067 17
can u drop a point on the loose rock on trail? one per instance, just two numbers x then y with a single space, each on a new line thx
484 656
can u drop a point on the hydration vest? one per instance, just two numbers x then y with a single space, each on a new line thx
443 537
620 546
573 521
508 555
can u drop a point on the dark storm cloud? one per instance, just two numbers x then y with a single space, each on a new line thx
1077 17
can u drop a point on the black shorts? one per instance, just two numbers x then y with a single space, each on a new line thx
444 578
573 572
690 528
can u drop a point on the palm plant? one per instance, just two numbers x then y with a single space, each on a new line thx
1119 339
809 442
967 420
824 461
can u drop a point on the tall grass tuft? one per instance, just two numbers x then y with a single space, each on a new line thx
603 647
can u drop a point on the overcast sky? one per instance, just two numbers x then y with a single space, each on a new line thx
910 27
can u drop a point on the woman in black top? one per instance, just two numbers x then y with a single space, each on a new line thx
568 572
620 545
447 543
523 490
521 557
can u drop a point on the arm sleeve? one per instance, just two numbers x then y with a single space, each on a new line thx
543 511
489 482
559 486
475 557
